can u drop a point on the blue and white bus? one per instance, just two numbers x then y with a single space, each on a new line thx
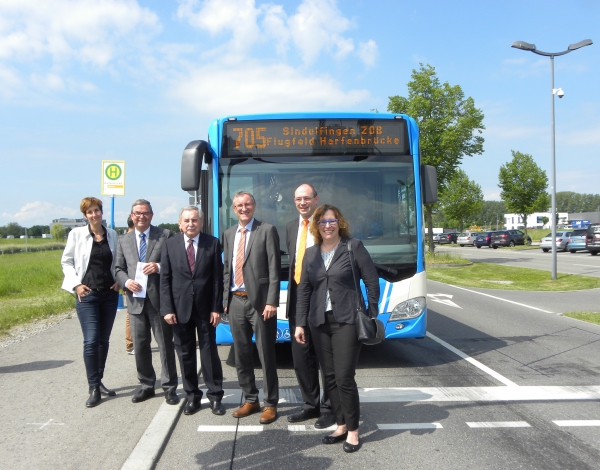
366 164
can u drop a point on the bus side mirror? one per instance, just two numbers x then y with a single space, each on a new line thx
429 184
191 164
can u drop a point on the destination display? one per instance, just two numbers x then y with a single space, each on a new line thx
311 137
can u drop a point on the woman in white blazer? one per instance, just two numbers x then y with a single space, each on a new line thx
88 264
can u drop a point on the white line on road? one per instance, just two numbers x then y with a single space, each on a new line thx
233 428
578 422
472 361
309 427
499 424
407 426
500 298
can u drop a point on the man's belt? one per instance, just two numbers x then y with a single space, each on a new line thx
239 293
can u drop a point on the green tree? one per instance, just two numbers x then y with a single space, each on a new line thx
545 220
449 126
462 200
493 213
172 227
14 229
58 232
38 230
523 186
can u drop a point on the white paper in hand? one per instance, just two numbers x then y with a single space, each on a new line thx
141 279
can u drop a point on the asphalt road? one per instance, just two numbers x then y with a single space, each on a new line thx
580 262
501 381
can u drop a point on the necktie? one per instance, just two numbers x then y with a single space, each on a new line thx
301 250
190 255
239 259
142 247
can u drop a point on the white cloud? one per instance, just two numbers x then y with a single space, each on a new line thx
368 52
49 81
89 31
255 88
169 211
41 213
10 82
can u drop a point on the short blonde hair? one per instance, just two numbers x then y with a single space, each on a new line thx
343 224
88 202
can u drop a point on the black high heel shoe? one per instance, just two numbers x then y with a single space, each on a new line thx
334 439
349 448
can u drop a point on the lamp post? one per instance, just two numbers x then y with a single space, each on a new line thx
525 46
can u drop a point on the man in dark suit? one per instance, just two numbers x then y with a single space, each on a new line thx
191 299
252 260
306 364
144 244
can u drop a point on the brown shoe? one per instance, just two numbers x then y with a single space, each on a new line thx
246 410
268 415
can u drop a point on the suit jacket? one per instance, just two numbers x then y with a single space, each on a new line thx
76 256
339 281
127 259
180 288
261 265
291 237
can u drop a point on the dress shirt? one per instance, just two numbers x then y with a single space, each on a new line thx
194 244
236 241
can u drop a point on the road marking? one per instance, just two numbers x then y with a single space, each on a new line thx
407 426
446 301
499 424
233 428
472 361
500 298
46 424
578 422
586 265
309 427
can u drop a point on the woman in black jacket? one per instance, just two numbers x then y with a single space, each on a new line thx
327 301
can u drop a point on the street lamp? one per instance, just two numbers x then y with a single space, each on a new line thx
525 46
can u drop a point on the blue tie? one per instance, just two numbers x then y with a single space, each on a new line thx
142 247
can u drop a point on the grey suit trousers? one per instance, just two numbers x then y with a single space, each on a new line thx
141 324
244 320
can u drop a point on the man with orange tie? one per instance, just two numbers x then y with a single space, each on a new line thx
251 262
306 365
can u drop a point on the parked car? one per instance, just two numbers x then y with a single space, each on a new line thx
449 237
467 238
484 239
593 239
578 240
510 238
436 237
562 241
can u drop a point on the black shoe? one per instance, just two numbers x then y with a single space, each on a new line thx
303 416
171 397
349 448
191 407
334 439
325 421
142 395
94 398
106 391
217 408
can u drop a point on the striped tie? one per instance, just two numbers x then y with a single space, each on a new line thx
239 259
301 250
142 247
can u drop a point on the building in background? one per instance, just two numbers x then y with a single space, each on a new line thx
72 223
535 221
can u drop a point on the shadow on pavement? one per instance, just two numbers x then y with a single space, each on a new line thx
33 366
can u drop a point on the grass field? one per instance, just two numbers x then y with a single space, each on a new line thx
30 287
16 245
493 276
590 317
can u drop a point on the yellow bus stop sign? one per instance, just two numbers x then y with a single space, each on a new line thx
113 178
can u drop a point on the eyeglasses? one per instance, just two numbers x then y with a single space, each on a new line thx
303 199
140 214
241 206
324 222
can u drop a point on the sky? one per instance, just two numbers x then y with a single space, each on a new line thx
91 80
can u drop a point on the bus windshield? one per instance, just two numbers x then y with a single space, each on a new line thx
375 193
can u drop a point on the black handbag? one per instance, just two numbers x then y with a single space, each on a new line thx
369 330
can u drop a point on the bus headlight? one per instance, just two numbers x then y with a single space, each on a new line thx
411 308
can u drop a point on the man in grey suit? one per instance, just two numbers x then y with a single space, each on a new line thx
144 244
252 260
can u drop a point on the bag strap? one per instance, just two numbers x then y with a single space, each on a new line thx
359 296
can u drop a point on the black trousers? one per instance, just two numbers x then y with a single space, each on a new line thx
306 366
338 349
184 336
